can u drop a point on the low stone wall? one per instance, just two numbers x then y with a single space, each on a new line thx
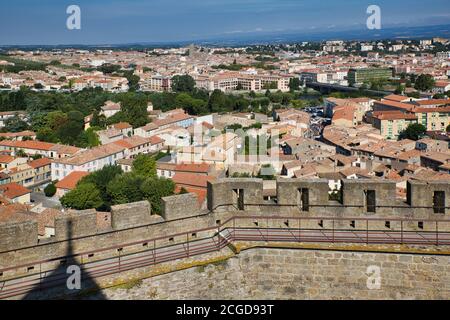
265 273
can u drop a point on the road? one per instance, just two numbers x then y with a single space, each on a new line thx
39 197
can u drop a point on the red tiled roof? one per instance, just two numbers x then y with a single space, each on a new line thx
193 167
70 181
40 163
395 104
393 115
192 179
156 140
6 159
13 190
29 144
121 125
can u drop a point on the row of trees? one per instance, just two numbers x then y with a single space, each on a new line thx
111 186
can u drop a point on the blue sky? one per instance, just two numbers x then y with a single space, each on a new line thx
126 21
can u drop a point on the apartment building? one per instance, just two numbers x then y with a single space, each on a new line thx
88 160
182 120
360 76
220 152
34 147
139 145
392 123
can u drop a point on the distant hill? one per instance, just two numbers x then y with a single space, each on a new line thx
361 33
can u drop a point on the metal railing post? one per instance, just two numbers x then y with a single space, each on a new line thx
187 243
154 251
299 230
401 232
119 262
333 231
218 239
40 276
437 234
367 231
234 227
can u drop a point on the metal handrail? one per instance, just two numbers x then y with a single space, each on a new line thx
220 227
206 214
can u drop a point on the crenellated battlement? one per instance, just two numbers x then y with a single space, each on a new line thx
296 196
131 225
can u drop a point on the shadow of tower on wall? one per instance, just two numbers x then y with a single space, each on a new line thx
68 280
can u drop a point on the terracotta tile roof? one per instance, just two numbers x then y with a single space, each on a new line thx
393 115
192 179
29 144
95 153
122 125
132 142
70 181
437 102
395 104
6 159
15 213
193 167
156 140
65 149
40 163
13 190
396 97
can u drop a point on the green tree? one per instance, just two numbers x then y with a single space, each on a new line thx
294 84
126 188
414 132
183 83
84 196
101 179
89 138
424 82
50 190
145 166
15 124
156 188
70 132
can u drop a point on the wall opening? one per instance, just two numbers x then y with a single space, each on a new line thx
420 225
371 204
353 224
387 224
439 202
238 195
303 199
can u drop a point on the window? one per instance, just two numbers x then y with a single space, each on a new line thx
303 195
238 195
370 200
439 202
